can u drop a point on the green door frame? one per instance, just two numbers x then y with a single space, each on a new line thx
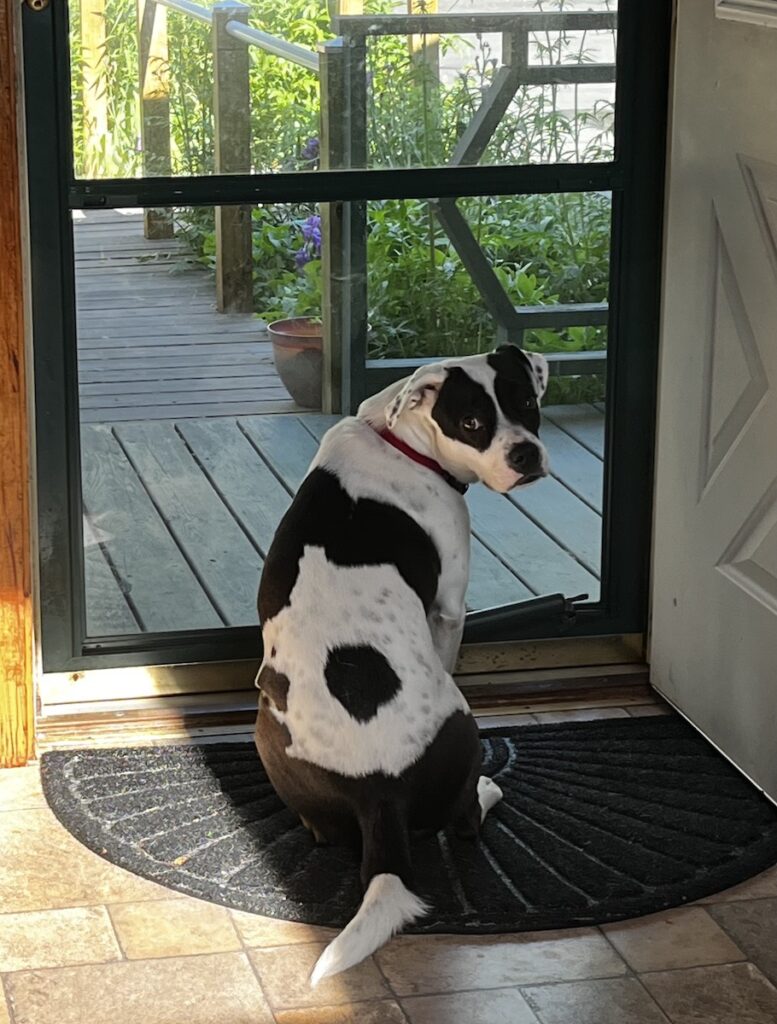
635 179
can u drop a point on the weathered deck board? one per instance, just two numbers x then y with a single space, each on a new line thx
532 554
243 479
154 573
186 476
108 613
581 422
140 301
226 562
185 511
165 412
552 506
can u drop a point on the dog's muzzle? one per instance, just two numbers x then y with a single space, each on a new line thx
526 458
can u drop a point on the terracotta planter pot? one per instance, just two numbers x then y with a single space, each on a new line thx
296 346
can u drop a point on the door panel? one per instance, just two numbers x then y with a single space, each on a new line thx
714 634
152 366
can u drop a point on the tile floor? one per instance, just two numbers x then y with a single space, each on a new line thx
84 942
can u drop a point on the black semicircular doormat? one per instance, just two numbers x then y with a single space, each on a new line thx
600 820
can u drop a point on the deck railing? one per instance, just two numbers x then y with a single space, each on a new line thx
342 69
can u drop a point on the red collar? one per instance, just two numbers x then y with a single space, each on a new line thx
423 460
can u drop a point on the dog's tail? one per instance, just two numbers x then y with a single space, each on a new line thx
388 904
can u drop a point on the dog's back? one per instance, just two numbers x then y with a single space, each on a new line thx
361 729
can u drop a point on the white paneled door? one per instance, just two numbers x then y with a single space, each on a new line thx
714 620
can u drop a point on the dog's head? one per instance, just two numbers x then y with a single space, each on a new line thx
483 415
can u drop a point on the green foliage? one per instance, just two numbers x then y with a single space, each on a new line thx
422 302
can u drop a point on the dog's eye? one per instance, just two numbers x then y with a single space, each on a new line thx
530 403
471 423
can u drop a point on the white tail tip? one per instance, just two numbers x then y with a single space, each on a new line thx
388 906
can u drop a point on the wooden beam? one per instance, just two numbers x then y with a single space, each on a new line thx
17 710
425 49
94 86
232 131
154 71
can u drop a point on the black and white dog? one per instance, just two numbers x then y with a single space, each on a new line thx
361 728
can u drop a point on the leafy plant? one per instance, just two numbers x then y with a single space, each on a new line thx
422 302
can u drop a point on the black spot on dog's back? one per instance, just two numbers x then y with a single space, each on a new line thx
463 398
352 533
361 679
514 387
275 685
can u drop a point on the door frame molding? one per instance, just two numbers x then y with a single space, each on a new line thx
635 178
17 706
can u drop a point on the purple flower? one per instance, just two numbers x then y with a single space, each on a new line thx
310 150
301 257
311 231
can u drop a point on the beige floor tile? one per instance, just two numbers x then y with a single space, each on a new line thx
730 994
383 1012
492 1006
614 1001
219 989
755 888
447 963
579 715
645 710
5 1017
20 788
256 930
285 973
56 938
173 927
43 867
687 937
753 925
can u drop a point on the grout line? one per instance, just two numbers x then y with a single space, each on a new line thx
5 996
515 985
254 969
119 943
732 902
389 986
631 973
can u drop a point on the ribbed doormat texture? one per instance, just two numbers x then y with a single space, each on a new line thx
600 820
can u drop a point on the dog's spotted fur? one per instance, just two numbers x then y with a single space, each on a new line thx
361 727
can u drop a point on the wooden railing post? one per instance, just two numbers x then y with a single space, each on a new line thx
343 85
425 49
232 116
333 150
155 107
94 92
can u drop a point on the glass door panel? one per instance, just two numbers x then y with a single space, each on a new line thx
482 176
178 87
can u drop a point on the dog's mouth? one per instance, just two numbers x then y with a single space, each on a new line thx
529 479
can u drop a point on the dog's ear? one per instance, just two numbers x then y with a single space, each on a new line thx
539 366
424 380
512 362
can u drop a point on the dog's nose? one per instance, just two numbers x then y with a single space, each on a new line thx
525 458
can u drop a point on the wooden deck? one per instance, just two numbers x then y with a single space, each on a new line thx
185 475
180 513
151 344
